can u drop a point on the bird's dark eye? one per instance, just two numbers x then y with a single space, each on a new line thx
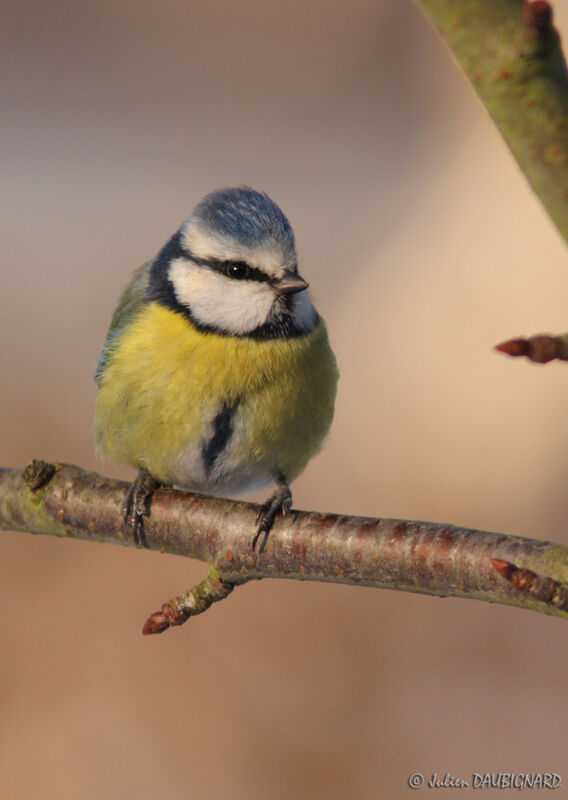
239 270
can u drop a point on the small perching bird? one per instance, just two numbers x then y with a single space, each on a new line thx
216 374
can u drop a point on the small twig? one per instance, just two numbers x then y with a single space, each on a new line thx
195 601
541 348
538 586
423 557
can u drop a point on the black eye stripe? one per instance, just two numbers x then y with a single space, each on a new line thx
236 270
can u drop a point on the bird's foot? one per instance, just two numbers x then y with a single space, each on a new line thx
137 503
278 503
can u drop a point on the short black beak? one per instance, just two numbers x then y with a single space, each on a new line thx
288 282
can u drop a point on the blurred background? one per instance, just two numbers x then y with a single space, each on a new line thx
424 247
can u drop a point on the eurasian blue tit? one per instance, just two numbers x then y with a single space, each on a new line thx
216 374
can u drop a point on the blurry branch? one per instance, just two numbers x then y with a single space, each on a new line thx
436 559
512 55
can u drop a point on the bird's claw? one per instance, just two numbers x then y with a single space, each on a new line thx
136 505
278 503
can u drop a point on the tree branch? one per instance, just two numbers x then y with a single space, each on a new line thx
512 55
424 557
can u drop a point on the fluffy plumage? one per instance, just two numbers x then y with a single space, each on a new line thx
216 374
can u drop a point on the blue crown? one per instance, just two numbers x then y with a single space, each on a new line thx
246 216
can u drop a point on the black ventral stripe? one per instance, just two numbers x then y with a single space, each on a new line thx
222 432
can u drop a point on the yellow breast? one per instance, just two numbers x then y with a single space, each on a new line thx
165 380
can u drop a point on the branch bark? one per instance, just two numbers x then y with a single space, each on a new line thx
424 557
512 55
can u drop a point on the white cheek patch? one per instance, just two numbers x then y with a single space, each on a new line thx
234 306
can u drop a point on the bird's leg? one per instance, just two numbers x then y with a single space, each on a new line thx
137 503
278 502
